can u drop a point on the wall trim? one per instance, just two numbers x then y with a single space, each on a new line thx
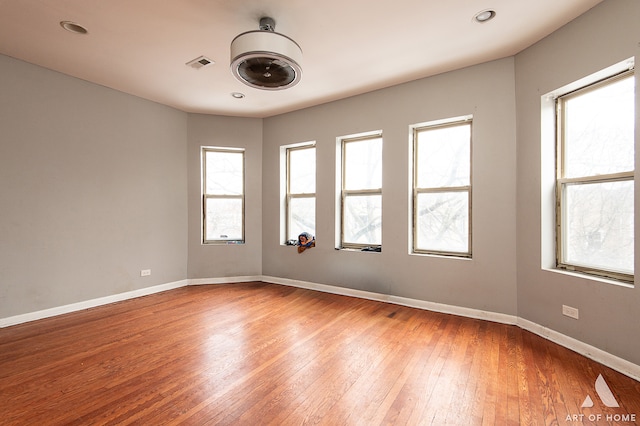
616 363
605 358
397 300
225 280
73 307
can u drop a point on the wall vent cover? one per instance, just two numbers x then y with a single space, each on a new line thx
200 62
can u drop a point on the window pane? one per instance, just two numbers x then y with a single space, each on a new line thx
363 219
599 226
444 157
224 173
303 217
363 164
302 171
442 222
599 130
224 219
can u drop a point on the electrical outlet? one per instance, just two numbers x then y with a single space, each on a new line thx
569 311
145 272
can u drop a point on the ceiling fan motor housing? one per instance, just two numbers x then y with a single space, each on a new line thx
266 60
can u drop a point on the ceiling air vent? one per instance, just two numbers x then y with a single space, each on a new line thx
200 62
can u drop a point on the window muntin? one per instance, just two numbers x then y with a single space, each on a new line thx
595 178
301 191
361 196
223 195
442 188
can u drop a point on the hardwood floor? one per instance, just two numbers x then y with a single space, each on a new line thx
258 353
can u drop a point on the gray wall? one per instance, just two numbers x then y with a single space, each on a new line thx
93 189
97 185
213 260
607 34
488 281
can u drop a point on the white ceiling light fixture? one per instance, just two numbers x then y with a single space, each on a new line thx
484 16
72 27
265 59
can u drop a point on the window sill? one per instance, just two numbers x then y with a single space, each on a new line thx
440 256
361 250
590 277
223 243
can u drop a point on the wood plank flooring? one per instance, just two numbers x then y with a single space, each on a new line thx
256 353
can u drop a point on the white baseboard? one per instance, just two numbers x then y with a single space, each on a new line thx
73 307
397 300
616 363
225 280
621 365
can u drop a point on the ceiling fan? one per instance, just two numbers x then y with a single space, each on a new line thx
265 59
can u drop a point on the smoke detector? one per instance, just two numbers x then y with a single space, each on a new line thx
265 59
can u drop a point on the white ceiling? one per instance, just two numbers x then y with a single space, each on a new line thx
349 46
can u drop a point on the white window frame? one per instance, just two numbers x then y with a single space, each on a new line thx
562 182
289 195
345 193
206 196
416 190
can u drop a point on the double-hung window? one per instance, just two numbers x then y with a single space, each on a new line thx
223 195
361 195
442 187
595 178
301 191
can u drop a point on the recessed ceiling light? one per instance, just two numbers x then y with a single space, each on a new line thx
72 27
237 95
484 16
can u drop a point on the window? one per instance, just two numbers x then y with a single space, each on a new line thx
301 191
223 195
595 178
442 187
361 195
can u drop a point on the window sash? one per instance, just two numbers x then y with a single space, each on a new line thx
238 222
433 249
291 231
376 241
348 178
418 190
206 197
562 227
562 183
561 118
291 151
375 237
